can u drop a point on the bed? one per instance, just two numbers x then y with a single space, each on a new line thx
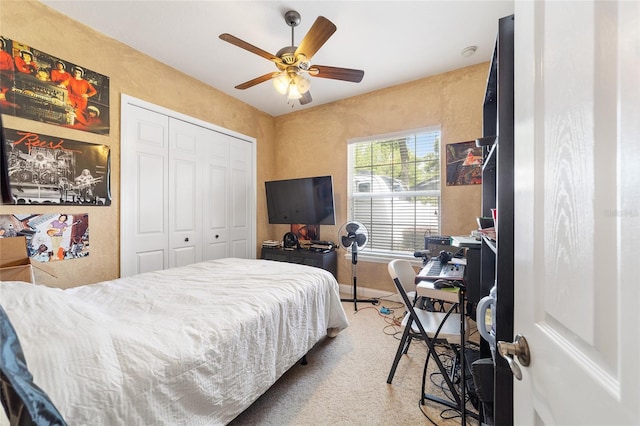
192 345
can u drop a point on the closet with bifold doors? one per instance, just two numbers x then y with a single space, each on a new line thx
187 190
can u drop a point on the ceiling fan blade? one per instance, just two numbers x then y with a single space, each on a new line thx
336 73
306 98
256 80
318 34
250 47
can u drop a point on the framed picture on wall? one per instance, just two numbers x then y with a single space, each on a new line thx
464 163
44 169
50 237
39 86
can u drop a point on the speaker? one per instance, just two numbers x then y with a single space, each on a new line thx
290 240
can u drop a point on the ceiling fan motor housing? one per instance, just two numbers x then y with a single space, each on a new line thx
287 54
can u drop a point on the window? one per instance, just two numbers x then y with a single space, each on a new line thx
395 190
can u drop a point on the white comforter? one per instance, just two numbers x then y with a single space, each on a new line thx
193 345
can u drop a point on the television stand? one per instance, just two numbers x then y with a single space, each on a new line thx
327 261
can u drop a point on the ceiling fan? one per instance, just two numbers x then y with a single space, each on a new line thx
293 62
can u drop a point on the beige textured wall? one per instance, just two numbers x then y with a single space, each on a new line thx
313 142
136 75
305 143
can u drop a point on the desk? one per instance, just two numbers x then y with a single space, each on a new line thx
426 289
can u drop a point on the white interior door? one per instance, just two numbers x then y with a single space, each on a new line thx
230 206
577 211
143 214
216 208
242 197
187 144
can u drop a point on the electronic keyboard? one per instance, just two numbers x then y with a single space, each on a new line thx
436 270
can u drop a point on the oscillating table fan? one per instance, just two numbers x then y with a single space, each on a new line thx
353 236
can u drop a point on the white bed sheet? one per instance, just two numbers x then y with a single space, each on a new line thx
192 345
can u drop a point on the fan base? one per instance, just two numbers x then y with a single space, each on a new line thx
355 302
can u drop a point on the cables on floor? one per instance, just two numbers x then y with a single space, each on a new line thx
448 358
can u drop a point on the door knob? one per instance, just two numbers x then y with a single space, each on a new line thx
520 349
186 240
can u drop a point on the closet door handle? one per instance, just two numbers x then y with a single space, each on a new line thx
186 240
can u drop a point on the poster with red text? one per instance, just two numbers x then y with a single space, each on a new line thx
44 169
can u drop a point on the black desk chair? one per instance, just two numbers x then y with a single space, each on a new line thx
24 402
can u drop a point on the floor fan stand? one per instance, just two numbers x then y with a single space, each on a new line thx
354 263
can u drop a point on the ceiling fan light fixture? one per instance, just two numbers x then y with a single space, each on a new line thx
281 83
293 91
302 84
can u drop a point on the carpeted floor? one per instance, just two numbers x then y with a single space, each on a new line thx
345 381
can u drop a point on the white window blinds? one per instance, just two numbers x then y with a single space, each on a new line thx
395 190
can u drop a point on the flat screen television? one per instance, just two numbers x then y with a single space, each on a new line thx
304 200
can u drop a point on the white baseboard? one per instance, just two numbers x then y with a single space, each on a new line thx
369 293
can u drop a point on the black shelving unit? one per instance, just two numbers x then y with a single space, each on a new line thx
498 193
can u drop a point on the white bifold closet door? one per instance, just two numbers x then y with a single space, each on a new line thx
228 180
186 144
186 193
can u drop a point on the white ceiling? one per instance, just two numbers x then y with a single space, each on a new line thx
392 41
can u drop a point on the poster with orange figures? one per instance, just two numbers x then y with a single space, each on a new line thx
38 86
